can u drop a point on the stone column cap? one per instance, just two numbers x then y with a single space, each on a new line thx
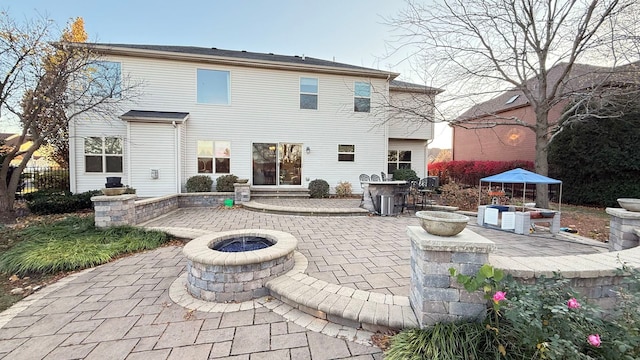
114 197
623 213
466 241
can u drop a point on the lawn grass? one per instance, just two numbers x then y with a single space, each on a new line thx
71 244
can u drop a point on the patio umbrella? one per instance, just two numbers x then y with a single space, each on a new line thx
520 176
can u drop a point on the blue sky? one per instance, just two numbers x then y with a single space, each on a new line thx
351 31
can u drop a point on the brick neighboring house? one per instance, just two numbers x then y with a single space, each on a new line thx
514 142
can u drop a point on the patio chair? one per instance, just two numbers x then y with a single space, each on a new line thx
375 177
383 176
401 195
363 177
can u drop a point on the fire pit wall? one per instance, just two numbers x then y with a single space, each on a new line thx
236 276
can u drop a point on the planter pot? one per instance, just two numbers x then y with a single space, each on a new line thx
114 191
442 223
630 204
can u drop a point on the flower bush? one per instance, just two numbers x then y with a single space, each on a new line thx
545 320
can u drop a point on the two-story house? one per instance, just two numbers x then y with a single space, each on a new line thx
280 121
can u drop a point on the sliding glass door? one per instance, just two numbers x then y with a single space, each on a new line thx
277 164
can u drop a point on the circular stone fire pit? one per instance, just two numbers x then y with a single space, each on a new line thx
236 276
442 223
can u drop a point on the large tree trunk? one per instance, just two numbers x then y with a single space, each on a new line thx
7 200
542 162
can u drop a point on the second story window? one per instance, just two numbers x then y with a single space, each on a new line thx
309 93
362 97
105 79
213 87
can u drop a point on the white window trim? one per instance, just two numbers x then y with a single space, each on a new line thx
213 158
347 153
103 155
228 87
317 93
361 97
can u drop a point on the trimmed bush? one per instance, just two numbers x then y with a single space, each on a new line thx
225 183
199 183
46 202
343 189
318 189
405 174
470 172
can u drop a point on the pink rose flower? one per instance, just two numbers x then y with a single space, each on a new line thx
499 296
594 340
573 304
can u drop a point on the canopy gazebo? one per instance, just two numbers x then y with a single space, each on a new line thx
520 176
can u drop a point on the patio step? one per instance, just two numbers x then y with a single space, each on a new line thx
308 211
343 305
278 193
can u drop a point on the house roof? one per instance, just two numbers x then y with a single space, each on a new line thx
403 86
582 76
155 116
235 57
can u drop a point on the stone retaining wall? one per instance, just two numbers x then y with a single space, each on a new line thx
126 210
148 209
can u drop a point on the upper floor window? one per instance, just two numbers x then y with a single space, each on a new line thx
213 87
346 152
362 97
103 154
398 159
105 79
308 93
214 157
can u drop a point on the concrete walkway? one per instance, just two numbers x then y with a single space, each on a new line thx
123 310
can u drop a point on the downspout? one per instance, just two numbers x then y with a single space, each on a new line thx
73 182
176 145
128 150
385 166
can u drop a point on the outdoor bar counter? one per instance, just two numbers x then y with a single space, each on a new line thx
374 190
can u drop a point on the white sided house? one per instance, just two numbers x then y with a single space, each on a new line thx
279 121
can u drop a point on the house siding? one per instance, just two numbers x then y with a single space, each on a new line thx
159 140
409 126
264 107
418 150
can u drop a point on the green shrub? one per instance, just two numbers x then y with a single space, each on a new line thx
199 183
225 183
598 159
46 202
444 341
318 189
73 243
405 174
343 189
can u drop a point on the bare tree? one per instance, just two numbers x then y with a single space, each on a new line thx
480 48
44 85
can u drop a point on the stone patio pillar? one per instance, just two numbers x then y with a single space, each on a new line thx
435 296
621 228
242 193
114 210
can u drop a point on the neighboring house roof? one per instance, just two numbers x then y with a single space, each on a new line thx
582 76
235 57
397 85
155 116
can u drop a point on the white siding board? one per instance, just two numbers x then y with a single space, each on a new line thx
409 126
153 146
264 108
418 154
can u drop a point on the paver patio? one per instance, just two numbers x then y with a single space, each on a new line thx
122 310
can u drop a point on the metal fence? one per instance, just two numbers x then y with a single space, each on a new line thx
43 178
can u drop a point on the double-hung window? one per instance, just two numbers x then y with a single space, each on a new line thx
104 79
346 152
398 159
308 93
213 87
362 97
214 157
103 155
